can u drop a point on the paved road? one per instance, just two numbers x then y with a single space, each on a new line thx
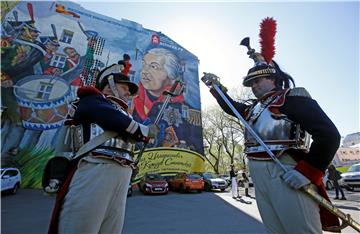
29 212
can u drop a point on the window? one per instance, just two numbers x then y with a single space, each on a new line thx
13 173
58 60
44 90
66 36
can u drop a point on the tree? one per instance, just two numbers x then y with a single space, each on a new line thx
222 139
224 135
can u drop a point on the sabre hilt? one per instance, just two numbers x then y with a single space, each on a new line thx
171 93
211 79
173 90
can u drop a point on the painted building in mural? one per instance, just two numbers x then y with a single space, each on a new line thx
50 49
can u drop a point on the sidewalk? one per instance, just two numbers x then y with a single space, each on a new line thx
348 207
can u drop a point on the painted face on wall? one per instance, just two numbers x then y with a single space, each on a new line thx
28 34
153 75
72 53
51 48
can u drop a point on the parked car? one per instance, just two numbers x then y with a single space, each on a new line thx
213 181
187 182
328 183
153 183
226 177
351 178
10 180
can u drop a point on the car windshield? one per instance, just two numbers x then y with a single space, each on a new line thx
194 176
210 176
354 168
154 177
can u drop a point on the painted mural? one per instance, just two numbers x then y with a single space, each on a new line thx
50 49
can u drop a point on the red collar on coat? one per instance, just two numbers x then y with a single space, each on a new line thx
143 104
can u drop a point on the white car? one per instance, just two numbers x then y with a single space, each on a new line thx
351 178
213 181
10 180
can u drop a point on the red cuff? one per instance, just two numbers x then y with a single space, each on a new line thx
310 172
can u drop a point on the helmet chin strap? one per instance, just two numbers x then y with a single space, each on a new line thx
113 86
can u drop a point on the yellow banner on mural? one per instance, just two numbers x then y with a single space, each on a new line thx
169 161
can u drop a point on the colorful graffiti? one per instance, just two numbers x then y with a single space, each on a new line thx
49 50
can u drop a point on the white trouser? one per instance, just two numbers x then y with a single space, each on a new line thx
234 187
96 199
282 209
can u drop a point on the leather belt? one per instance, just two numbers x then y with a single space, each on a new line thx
123 158
263 156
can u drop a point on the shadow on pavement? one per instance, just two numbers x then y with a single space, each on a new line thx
186 213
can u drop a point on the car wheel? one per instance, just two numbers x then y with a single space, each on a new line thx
144 189
329 185
15 189
222 190
207 187
182 188
130 192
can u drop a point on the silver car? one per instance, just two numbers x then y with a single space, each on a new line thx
351 178
213 181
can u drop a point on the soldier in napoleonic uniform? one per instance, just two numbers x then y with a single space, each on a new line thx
20 52
284 118
93 199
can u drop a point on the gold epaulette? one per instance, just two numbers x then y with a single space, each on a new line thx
299 91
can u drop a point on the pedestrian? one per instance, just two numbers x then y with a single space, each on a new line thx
95 200
246 183
335 176
284 117
234 185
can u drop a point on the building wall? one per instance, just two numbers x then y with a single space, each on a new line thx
38 64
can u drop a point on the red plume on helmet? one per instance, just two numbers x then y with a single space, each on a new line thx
267 38
263 67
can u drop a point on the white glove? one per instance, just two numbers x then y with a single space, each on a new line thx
153 131
295 179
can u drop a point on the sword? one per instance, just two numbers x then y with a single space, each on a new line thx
169 94
210 81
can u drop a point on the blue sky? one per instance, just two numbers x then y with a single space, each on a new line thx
317 43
